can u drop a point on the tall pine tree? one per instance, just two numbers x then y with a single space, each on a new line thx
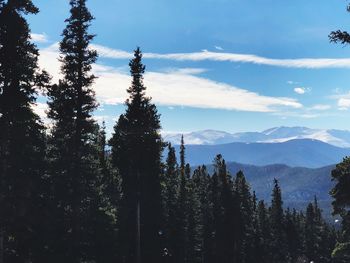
341 204
22 138
73 155
278 244
136 152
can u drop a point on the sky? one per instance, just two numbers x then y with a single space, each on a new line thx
231 65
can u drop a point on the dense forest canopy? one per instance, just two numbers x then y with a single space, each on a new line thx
65 198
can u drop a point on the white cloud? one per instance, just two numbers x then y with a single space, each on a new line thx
219 48
300 90
344 103
174 88
320 107
310 63
291 82
179 89
39 38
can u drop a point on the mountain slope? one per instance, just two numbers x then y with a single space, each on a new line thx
303 153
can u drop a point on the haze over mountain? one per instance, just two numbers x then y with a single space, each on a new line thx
339 138
295 153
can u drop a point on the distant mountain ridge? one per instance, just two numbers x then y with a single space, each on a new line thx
294 153
339 138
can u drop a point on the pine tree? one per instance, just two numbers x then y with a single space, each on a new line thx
246 208
136 152
192 220
223 213
293 235
73 155
264 234
105 206
341 195
278 242
22 139
182 207
171 201
201 182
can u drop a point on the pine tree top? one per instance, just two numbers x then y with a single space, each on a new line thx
137 88
25 6
76 56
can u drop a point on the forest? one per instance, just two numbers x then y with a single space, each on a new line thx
67 194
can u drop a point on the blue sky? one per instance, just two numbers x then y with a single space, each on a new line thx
231 65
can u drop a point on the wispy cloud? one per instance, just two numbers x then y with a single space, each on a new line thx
320 107
39 38
180 87
219 48
309 63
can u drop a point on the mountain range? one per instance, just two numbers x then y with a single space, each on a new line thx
295 153
292 146
339 138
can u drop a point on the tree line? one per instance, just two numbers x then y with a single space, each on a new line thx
65 198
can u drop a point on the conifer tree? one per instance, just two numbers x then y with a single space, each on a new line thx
136 153
293 235
277 219
171 202
201 182
182 228
22 139
341 203
341 176
73 154
223 213
264 233
246 208
105 206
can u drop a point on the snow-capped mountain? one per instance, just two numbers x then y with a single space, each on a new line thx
339 138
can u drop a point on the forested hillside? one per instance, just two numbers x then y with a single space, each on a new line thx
65 198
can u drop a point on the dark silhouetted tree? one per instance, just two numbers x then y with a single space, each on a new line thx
136 152
73 154
22 139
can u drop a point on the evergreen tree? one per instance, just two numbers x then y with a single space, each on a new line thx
201 182
311 241
341 203
245 226
182 213
136 152
22 139
263 233
341 176
192 220
293 235
171 201
278 244
105 205
73 154
223 213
